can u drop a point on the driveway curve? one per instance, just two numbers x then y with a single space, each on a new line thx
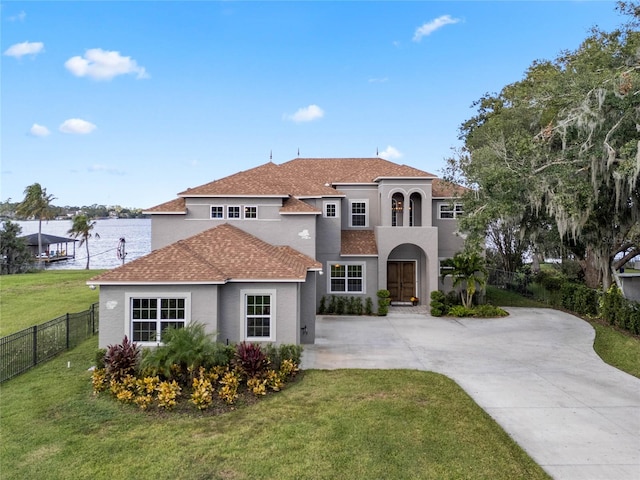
535 372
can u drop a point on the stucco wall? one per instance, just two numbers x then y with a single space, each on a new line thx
406 187
286 311
297 231
114 319
425 238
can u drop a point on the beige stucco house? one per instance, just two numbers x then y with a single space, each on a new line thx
251 255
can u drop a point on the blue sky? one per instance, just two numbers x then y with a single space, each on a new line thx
129 103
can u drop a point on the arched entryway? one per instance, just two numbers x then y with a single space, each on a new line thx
405 270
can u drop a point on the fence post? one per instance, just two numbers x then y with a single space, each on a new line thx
67 325
35 345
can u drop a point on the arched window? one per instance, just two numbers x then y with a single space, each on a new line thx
397 206
415 210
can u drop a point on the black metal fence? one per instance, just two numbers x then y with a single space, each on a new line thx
27 348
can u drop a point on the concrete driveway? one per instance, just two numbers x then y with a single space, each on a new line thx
535 372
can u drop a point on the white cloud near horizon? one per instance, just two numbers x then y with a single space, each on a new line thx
435 24
77 126
39 130
97 167
104 65
390 153
18 18
306 114
25 48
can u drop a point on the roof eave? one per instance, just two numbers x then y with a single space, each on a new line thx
149 212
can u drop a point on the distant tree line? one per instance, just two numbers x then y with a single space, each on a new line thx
9 209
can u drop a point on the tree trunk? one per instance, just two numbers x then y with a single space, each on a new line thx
592 273
40 243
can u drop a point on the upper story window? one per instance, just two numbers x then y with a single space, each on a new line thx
233 211
330 209
448 210
217 211
151 316
250 212
358 213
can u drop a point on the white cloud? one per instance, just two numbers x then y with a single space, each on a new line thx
78 126
18 18
430 27
106 169
306 114
379 80
25 48
104 65
390 153
39 130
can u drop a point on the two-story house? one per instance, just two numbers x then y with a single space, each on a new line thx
252 254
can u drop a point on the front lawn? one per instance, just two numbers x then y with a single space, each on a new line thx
347 424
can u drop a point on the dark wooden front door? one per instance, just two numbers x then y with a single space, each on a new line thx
401 280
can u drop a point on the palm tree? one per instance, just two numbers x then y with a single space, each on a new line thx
36 204
81 228
467 269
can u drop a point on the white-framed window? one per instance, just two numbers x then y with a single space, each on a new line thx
150 315
443 270
233 211
448 210
217 211
250 212
346 278
358 210
259 319
330 209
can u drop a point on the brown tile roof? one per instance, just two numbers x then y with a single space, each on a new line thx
443 189
173 206
303 177
349 170
293 205
358 242
220 254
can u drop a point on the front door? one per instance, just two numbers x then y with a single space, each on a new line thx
401 280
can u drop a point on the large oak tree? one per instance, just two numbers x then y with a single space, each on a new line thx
561 147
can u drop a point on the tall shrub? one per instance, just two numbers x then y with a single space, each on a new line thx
383 302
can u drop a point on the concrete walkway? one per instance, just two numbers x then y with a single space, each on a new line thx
535 372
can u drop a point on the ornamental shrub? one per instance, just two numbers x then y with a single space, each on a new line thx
323 306
368 306
229 391
460 311
279 353
488 311
437 303
185 350
168 393
250 359
121 360
383 302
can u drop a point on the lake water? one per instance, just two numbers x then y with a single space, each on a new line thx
103 250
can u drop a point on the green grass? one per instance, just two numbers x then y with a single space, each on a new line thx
619 349
32 298
507 298
347 424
